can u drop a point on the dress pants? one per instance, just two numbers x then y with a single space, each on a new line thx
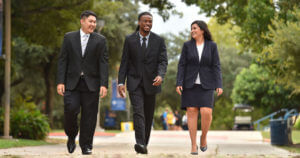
143 110
87 101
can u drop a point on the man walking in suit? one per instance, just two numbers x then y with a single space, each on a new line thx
144 64
82 73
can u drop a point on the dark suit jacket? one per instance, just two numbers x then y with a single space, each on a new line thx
208 68
135 67
94 63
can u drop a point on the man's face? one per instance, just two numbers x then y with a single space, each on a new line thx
88 24
145 23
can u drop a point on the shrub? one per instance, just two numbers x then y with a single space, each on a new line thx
26 123
223 115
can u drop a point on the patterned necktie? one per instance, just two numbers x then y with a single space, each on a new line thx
84 43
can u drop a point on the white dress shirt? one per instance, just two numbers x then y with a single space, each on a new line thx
84 38
147 39
200 50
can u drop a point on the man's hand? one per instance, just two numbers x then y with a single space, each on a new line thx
121 90
219 91
61 89
157 81
179 89
103 92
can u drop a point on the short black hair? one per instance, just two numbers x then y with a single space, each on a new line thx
142 14
139 18
87 13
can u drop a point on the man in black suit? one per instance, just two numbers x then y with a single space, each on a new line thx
144 64
82 73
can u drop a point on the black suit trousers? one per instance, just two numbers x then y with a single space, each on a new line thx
143 110
87 101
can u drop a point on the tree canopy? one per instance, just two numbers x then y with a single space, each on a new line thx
252 16
282 57
255 86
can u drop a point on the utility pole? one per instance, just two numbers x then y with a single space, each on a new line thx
7 68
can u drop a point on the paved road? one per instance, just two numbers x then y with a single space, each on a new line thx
163 144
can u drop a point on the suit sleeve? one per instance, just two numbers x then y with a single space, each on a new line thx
124 63
217 67
62 62
103 65
163 60
181 67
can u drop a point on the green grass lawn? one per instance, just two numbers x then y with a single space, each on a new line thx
295 138
265 134
112 131
9 143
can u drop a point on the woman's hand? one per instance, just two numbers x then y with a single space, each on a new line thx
219 91
179 89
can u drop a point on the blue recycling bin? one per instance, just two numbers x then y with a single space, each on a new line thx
279 132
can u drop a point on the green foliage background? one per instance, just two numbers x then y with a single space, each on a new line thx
258 42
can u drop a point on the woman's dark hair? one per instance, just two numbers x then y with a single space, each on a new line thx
203 26
139 18
87 13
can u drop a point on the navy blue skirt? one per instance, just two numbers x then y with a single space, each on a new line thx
197 96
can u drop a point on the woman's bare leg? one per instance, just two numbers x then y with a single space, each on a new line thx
192 118
206 118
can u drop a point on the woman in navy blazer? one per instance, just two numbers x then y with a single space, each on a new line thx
198 76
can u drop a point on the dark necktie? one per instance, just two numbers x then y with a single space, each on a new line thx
144 46
144 43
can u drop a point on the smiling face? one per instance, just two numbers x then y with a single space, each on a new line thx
88 24
196 32
145 23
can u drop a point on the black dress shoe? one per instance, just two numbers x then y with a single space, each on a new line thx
203 149
139 148
71 145
195 152
86 151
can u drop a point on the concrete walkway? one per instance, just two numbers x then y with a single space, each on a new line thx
163 144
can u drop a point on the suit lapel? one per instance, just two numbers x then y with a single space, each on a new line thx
204 51
150 43
88 45
138 43
78 44
195 51
137 40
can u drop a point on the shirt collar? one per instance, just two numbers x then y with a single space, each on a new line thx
82 33
141 36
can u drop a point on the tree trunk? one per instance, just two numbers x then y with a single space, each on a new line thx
50 88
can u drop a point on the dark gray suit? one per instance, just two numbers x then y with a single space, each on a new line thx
140 69
82 91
